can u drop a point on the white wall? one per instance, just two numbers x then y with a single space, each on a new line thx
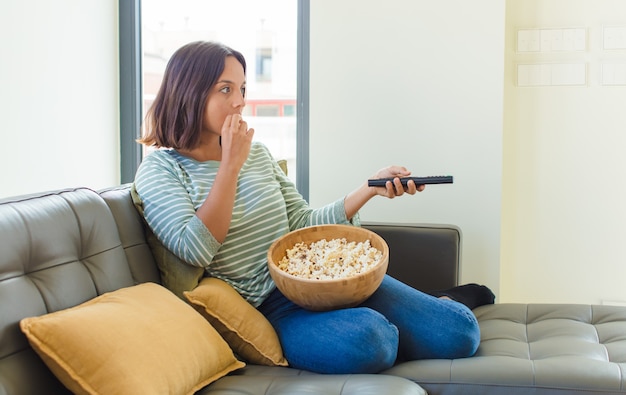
416 83
59 95
564 165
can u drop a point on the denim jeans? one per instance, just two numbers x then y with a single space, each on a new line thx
396 322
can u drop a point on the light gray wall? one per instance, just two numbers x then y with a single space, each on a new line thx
59 95
415 83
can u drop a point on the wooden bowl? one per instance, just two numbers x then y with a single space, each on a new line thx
320 295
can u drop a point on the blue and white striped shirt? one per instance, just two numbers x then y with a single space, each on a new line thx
267 205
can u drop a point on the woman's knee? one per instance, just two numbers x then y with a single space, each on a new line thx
458 337
375 342
467 333
357 340
463 332
429 327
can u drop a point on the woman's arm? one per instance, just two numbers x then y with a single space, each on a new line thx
217 210
169 210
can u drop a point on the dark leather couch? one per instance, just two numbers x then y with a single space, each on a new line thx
62 248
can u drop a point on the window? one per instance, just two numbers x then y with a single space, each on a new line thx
131 100
266 34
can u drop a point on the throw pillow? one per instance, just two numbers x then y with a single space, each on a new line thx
136 340
246 330
176 275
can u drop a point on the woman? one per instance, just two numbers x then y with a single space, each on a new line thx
218 200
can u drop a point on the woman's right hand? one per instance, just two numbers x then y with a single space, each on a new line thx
216 211
236 141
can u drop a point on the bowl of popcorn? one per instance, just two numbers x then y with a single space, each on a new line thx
328 267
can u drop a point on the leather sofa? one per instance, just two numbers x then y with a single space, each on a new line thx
62 249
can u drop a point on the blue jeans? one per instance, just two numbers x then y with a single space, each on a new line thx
396 322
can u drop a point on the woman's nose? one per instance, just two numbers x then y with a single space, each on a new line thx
239 100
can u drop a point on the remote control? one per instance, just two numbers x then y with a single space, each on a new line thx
380 182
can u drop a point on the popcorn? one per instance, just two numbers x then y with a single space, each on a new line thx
329 260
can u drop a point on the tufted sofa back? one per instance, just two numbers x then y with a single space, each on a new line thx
58 250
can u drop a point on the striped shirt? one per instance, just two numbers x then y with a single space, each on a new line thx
267 205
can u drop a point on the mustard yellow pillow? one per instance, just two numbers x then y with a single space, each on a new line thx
246 330
136 340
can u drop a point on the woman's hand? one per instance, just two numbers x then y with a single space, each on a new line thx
357 198
395 188
236 141
217 209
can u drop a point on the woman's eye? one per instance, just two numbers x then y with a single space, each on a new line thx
225 89
243 91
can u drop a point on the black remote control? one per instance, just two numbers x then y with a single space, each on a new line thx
380 182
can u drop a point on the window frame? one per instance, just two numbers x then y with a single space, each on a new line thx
130 91
130 88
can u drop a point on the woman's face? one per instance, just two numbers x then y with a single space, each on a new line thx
226 97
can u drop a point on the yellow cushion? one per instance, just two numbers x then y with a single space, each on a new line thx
282 163
136 340
246 330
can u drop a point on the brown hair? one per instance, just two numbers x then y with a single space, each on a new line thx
175 118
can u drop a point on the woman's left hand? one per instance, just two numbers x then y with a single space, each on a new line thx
395 188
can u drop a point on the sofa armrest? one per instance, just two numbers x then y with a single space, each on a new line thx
424 256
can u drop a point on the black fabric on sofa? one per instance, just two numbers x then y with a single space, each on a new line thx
62 248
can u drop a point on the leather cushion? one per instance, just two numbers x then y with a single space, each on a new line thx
538 348
254 379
